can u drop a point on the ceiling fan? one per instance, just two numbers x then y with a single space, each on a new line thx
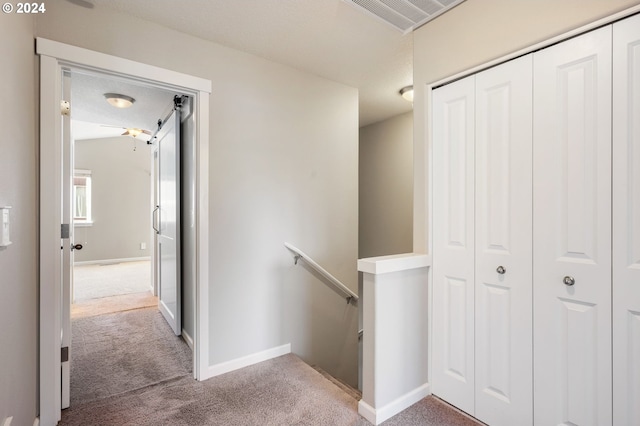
130 131
134 132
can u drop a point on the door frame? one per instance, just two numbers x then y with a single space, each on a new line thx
54 57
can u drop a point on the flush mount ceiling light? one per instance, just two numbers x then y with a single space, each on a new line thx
407 93
118 100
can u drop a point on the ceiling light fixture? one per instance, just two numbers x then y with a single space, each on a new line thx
407 93
118 100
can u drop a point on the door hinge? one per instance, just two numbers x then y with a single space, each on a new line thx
65 107
64 231
64 354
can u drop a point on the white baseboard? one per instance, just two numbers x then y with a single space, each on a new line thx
379 415
245 361
187 338
112 261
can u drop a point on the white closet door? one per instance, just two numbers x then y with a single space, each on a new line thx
453 243
503 308
572 228
626 221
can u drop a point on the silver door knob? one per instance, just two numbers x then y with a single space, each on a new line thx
501 270
76 247
569 280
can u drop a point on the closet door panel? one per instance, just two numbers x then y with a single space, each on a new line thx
572 228
503 307
626 223
453 244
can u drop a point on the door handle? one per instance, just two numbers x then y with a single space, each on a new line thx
501 270
76 247
569 280
153 219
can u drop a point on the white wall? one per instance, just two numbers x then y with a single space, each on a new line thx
474 33
283 167
386 187
120 195
18 181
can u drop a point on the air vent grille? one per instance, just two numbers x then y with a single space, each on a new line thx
404 15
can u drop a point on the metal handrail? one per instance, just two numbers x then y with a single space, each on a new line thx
337 285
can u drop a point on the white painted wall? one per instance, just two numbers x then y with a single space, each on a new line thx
283 167
386 187
18 180
121 194
474 33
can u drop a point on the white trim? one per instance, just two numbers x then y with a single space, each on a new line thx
73 55
245 361
201 311
377 416
393 263
187 338
53 57
546 43
50 253
111 261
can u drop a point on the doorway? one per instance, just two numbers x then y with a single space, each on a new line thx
112 194
55 60
112 148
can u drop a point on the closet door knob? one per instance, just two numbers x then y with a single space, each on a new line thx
501 270
569 280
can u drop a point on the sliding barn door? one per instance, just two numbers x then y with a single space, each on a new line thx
626 221
503 293
453 243
168 228
572 227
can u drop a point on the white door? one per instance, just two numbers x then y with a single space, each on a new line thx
626 222
168 222
572 228
503 231
67 244
453 243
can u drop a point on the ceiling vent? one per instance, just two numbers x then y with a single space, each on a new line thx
404 15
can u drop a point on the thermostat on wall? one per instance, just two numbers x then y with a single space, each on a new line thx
4 226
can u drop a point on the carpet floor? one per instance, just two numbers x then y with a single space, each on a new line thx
129 369
102 280
113 304
119 352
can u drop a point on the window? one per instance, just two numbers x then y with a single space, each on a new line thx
82 197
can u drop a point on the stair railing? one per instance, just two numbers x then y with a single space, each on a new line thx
342 289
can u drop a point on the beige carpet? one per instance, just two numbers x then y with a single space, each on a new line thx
129 369
96 281
108 305
115 353
281 391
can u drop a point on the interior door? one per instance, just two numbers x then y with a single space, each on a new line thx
67 244
572 226
453 243
626 221
167 222
503 271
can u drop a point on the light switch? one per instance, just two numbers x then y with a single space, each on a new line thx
4 226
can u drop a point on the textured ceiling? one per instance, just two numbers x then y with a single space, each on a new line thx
93 116
329 38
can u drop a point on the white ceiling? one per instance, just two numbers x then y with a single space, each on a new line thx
93 116
329 38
